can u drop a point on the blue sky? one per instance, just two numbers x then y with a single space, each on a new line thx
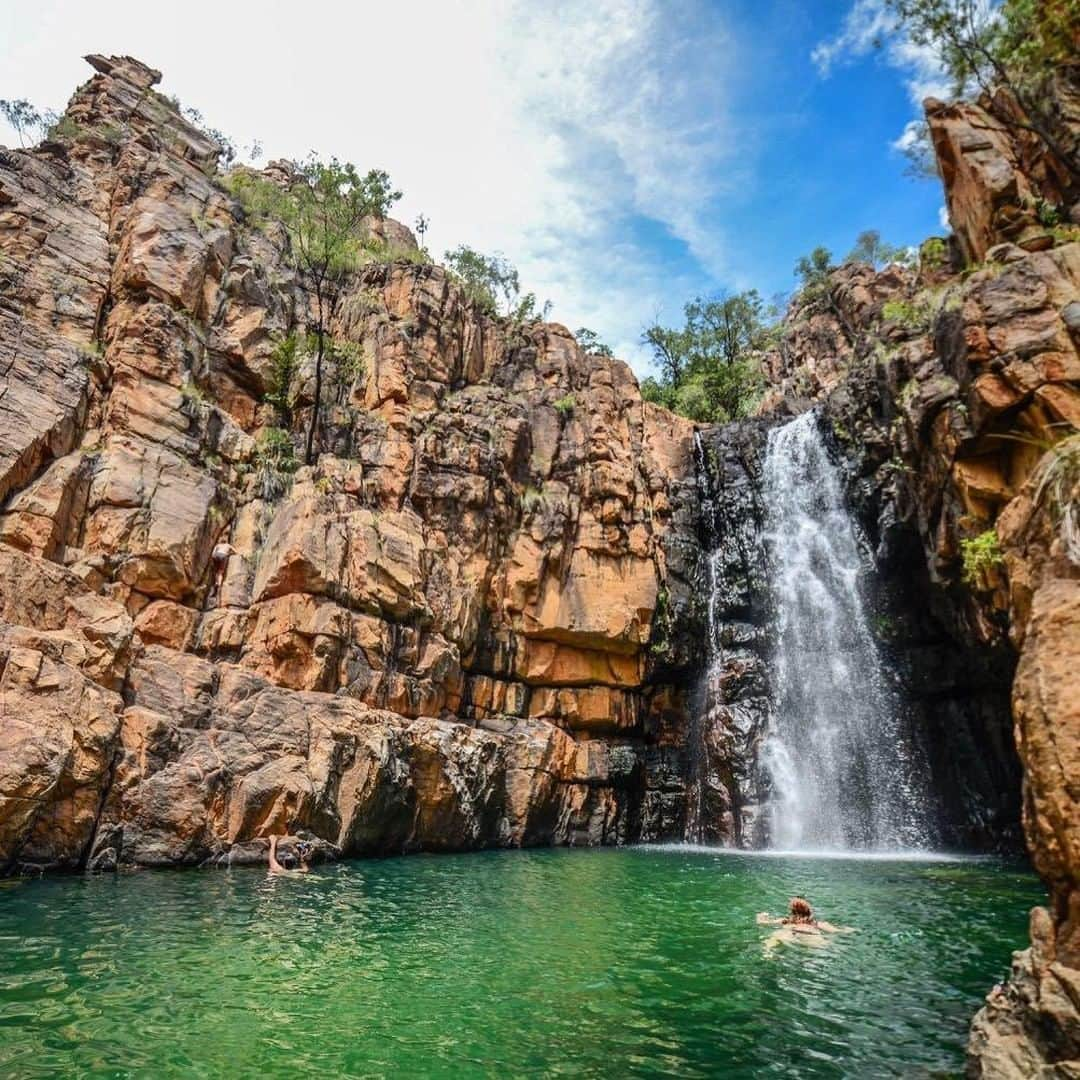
626 155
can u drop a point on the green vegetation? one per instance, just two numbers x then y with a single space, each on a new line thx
1058 479
813 273
27 121
488 279
284 364
65 130
980 555
709 367
1015 44
193 394
565 405
275 460
531 498
663 625
914 314
934 253
590 342
22 116
483 278
871 249
322 208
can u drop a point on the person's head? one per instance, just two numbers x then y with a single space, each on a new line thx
800 910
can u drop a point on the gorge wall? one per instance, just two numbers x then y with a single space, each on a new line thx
468 623
509 603
953 394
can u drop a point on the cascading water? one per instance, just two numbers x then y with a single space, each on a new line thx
844 773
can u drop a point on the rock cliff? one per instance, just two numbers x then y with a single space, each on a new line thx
953 393
442 634
508 603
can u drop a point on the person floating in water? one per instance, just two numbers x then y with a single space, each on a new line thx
798 925
303 853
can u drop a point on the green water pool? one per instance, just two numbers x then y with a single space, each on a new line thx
630 962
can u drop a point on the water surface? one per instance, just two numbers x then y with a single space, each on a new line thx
631 962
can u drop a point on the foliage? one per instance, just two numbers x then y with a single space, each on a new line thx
64 130
421 227
227 146
348 360
709 367
912 314
871 249
193 394
1047 214
484 278
590 342
284 365
565 405
531 498
982 44
934 253
813 273
275 461
663 626
1058 479
492 282
322 208
22 116
980 555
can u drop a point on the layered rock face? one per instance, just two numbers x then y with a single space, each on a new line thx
731 704
442 634
955 397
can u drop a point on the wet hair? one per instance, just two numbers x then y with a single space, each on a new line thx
800 910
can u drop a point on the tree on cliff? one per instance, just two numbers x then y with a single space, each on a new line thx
709 367
871 249
322 207
590 342
1015 45
485 279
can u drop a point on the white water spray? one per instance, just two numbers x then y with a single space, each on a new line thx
844 773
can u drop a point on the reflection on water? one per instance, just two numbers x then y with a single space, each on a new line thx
630 962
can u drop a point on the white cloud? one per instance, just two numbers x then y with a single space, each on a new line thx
870 27
569 136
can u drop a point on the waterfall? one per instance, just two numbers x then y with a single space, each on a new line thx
842 769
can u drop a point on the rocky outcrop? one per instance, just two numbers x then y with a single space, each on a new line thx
731 703
954 395
441 634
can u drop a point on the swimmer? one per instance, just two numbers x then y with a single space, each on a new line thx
798 925
303 853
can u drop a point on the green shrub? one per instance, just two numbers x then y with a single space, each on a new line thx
65 130
193 394
934 253
980 555
912 314
284 364
565 405
1046 213
531 498
275 460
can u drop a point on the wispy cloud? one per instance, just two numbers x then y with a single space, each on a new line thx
590 141
870 27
